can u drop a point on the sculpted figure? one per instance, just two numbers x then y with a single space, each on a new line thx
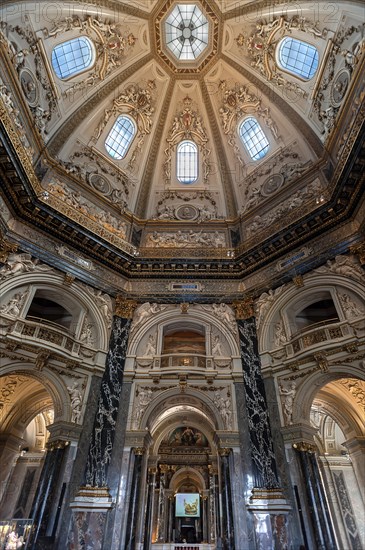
350 308
15 305
217 346
289 394
76 402
151 346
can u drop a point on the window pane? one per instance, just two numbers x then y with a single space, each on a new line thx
72 57
120 137
297 57
187 162
254 138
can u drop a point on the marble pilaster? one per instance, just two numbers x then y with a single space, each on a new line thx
94 496
133 511
262 452
267 503
43 499
102 439
227 511
151 483
318 506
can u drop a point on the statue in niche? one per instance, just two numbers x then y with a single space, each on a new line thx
217 346
289 395
224 407
76 402
144 396
350 308
151 346
280 336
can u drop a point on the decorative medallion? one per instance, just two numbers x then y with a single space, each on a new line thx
339 87
272 184
29 86
186 212
100 183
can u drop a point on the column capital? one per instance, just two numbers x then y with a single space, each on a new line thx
124 308
57 444
224 451
359 251
6 248
244 308
305 447
139 451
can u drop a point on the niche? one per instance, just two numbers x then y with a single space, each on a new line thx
45 308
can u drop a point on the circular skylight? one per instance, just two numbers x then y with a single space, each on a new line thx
186 32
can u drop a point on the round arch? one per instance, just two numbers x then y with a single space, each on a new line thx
291 295
312 385
171 316
76 293
53 385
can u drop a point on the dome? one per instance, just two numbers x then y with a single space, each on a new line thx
179 140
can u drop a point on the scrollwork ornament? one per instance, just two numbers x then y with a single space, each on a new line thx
124 308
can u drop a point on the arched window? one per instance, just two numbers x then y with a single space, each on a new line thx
297 57
253 138
187 162
73 57
120 137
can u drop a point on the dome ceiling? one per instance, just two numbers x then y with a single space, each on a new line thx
205 73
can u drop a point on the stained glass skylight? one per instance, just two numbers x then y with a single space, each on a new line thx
186 30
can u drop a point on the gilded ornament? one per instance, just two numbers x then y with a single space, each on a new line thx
6 248
124 308
244 309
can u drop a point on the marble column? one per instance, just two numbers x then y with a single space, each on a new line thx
132 520
151 484
94 496
317 502
227 511
213 508
43 499
205 516
267 503
10 446
162 520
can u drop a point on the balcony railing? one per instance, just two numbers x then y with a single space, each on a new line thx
317 334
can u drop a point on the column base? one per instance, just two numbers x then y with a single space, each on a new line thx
269 500
270 510
95 499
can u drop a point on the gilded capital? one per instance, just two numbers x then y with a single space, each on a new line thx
359 251
244 309
6 248
139 451
124 308
305 447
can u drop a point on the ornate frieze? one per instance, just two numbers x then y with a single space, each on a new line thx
291 208
80 209
8 107
107 179
186 239
22 263
198 206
